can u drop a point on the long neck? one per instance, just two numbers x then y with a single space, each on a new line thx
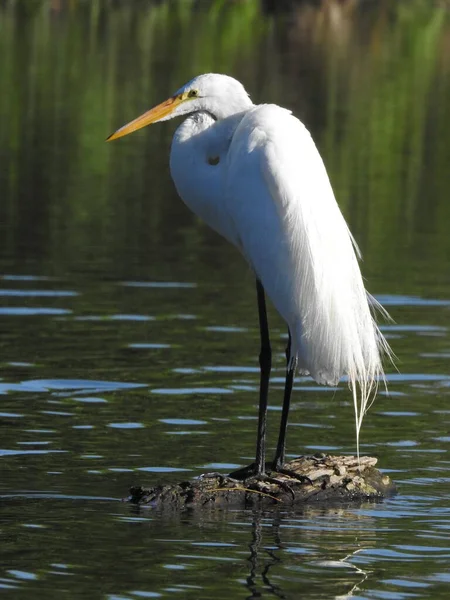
194 125
197 162
211 134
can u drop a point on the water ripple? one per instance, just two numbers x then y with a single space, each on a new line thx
149 346
392 300
196 390
183 421
158 284
25 278
26 311
162 469
5 452
126 425
85 385
38 293
414 328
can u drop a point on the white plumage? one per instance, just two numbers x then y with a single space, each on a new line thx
254 174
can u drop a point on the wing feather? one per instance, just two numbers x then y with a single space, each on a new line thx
294 236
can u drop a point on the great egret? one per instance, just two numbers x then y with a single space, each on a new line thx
254 174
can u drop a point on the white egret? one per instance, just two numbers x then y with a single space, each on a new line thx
254 174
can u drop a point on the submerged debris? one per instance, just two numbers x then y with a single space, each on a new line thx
319 478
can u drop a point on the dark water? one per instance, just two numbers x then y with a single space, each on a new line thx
128 330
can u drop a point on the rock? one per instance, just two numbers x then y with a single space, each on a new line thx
319 479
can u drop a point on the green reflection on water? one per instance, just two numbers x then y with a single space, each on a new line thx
373 86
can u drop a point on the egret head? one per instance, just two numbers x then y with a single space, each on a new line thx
218 95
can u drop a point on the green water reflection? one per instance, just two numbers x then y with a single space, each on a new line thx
372 85
94 223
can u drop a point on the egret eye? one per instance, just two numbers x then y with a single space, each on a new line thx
193 94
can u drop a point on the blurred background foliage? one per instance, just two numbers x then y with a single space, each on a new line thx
371 80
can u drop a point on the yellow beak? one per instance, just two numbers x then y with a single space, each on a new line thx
151 116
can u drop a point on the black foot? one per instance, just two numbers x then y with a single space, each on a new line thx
280 482
249 473
294 475
246 472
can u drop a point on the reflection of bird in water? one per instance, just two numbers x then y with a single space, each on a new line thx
268 557
259 563
254 174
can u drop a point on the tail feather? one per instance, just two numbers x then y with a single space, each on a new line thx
301 249
335 330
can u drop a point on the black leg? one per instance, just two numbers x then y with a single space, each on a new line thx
287 352
265 363
290 372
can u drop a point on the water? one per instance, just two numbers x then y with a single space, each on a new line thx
128 330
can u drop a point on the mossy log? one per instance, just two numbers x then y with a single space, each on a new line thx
319 479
